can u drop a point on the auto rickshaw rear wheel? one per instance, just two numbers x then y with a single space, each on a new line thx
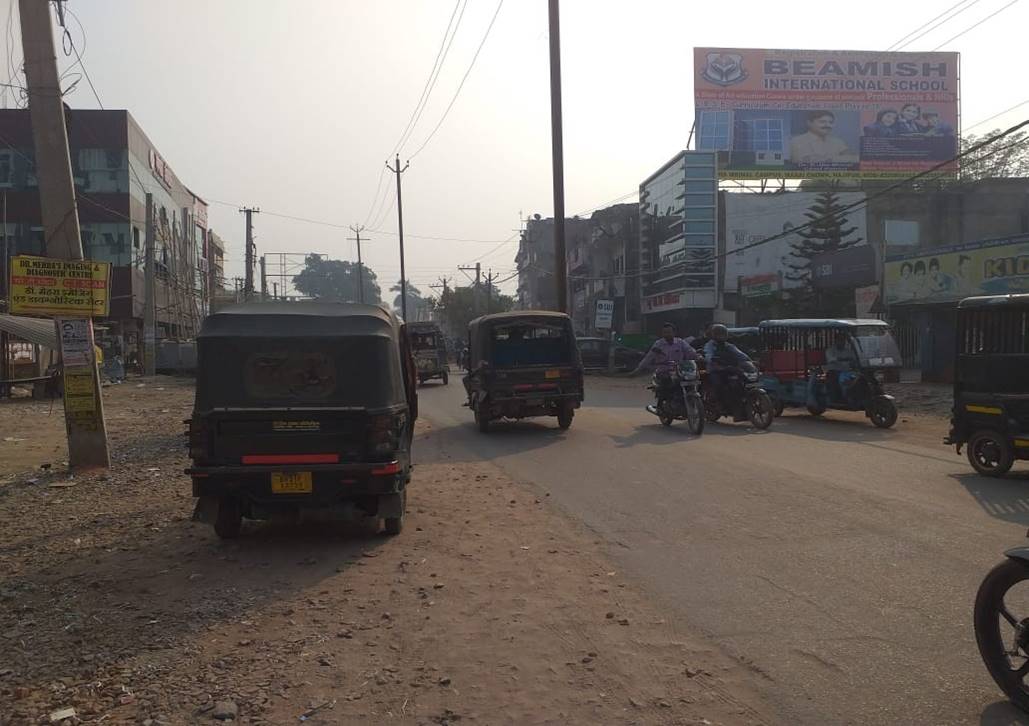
229 522
393 526
565 414
815 410
990 453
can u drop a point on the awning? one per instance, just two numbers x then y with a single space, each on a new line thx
34 330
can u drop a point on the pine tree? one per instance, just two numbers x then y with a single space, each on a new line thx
827 231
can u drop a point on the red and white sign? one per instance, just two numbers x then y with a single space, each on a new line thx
664 301
864 298
159 168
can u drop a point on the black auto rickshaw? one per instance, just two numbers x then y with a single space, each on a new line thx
991 382
302 410
523 364
429 348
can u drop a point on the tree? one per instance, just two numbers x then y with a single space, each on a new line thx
326 279
827 231
1005 158
417 306
457 307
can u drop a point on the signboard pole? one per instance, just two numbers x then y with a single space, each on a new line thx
150 295
87 432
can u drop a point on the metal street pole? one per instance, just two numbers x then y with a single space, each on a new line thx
356 229
557 148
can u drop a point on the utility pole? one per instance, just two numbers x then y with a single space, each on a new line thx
275 291
264 281
150 293
400 231
478 278
83 405
489 288
248 284
356 229
557 149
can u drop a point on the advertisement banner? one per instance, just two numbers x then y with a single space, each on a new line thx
67 288
851 267
750 218
759 285
826 113
864 300
948 274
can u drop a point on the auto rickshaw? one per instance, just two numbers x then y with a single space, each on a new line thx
991 382
429 347
523 364
303 410
830 364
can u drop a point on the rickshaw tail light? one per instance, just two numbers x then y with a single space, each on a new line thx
389 469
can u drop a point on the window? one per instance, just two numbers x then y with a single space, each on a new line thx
713 132
6 169
761 134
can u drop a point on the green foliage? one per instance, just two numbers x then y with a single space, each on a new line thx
828 231
337 280
457 307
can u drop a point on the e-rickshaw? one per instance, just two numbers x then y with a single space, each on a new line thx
523 364
830 364
303 410
991 382
429 347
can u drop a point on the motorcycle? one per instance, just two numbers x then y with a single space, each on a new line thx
741 397
1003 635
678 397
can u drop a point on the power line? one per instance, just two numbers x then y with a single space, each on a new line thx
901 45
430 82
1001 113
463 79
973 27
931 20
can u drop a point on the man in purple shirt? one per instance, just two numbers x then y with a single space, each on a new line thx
667 352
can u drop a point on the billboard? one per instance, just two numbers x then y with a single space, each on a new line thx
947 274
750 218
820 113
67 288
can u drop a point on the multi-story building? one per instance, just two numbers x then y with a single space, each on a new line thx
115 165
598 268
535 260
215 264
678 242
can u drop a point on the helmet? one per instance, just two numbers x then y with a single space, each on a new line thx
719 333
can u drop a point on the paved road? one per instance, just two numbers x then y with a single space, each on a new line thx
838 560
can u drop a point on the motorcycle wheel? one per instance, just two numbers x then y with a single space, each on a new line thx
991 619
883 413
695 415
761 411
712 410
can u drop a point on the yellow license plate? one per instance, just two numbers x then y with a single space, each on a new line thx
552 374
293 482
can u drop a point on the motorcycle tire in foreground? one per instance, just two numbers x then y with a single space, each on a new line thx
695 415
760 409
1003 636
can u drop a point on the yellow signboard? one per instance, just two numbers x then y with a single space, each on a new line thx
66 288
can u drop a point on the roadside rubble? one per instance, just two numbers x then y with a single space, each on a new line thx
491 607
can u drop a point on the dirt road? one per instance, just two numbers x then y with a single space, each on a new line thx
491 607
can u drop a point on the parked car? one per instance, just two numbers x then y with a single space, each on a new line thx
595 352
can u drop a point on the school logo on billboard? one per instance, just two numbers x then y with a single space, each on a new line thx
724 69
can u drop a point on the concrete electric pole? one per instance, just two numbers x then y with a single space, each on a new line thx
557 149
84 422
264 281
400 231
356 229
248 280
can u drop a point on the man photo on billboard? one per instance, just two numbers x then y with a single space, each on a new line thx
818 146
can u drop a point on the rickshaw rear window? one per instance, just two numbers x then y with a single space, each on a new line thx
423 341
530 344
350 371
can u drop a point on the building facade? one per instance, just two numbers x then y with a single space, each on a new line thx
678 237
115 165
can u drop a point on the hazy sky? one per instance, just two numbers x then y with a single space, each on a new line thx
294 106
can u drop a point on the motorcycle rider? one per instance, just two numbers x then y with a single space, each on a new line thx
720 355
667 352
